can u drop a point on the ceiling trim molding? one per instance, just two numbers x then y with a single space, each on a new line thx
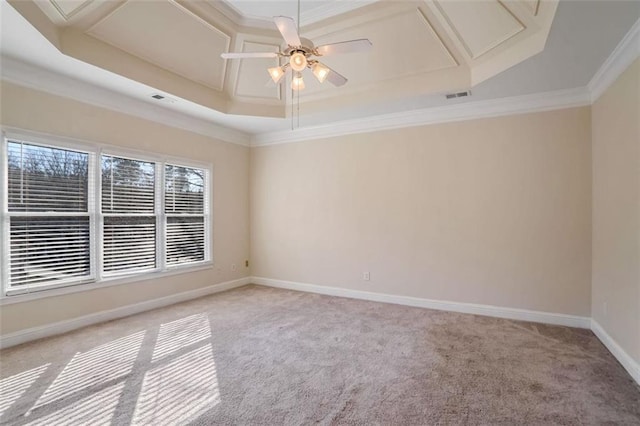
536 102
31 76
94 32
329 9
75 11
234 15
625 53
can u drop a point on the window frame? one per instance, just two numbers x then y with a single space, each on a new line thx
206 211
97 279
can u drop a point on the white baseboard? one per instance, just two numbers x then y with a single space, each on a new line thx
623 357
34 333
467 308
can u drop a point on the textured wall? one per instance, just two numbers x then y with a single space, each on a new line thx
616 210
493 211
41 112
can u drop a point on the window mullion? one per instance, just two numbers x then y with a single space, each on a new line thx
161 219
207 214
99 217
4 218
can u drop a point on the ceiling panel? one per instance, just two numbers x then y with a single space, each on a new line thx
164 33
253 79
403 44
481 25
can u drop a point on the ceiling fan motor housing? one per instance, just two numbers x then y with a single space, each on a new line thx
307 48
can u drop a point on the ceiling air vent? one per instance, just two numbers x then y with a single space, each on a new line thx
458 95
163 98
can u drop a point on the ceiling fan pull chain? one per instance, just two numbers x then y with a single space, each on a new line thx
298 106
292 98
298 16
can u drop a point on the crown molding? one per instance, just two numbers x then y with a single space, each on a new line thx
34 77
536 102
625 53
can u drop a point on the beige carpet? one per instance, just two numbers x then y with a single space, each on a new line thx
262 356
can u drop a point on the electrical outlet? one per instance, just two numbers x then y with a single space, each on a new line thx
366 276
246 263
233 267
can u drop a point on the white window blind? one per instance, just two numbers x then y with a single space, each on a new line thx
185 210
72 214
49 221
129 216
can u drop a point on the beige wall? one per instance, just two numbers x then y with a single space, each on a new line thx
493 211
616 210
37 111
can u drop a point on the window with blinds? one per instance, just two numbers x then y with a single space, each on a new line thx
184 206
74 216
129 215
48 215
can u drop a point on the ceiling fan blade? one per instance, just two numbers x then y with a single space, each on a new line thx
249 55
335 78
351 46
288 29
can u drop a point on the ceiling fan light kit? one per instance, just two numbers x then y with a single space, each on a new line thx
277 73
298 61
300 53
297 83
320 71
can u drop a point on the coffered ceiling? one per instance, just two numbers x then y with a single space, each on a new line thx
421 47
582 36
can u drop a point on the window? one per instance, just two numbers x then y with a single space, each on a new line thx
48 215
73 216
128 210
185 210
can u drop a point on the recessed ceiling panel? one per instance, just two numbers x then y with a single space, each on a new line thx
253 78
164 33
403 44
481 25
68 8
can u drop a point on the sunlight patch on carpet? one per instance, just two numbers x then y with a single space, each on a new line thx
98 366
179 391
95 409
181 333
12 388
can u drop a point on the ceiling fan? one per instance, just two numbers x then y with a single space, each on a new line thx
301 54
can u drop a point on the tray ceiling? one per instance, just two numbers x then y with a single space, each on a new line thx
421 47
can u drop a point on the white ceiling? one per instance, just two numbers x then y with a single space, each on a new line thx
583 34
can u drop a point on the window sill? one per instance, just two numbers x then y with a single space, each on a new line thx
104 283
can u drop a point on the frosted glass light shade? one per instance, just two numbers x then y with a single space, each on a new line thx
276 74
320 71
297 83
298 61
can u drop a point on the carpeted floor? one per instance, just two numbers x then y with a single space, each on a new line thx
262 356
